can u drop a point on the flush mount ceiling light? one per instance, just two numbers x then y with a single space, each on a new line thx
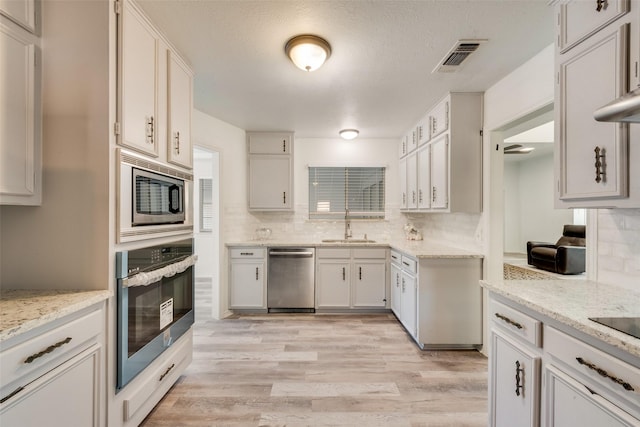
308 52
349 133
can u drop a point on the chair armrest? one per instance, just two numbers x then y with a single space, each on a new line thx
533 244
571 259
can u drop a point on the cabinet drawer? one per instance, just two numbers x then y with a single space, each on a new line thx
612 374
516 322
370 253
396 257
341 253
161 375
580 19
248 253
409 264
52 347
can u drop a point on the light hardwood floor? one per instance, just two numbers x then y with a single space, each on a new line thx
322 370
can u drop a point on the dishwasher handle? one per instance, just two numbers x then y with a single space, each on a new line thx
291 254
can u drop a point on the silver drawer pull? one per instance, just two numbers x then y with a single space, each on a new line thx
47 350
519 385
605 374
509 321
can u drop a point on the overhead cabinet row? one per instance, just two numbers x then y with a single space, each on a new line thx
441 171
155 90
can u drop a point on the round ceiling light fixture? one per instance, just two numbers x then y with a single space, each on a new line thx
349 134
308 52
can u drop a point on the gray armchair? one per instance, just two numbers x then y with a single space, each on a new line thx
566 256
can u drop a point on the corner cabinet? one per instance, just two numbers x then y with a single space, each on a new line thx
270 181
20 111
351 278
155 91
445 173
596 62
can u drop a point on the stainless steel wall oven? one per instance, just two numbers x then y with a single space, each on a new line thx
155 303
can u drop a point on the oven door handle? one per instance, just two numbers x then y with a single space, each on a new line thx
149 277
291 254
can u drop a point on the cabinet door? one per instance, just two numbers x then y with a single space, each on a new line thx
570 403
22 12
412 181
69 395
515 384
247 285
333 284
440 118
592 162
396 289
581 19
370 284
424 178
19 142
269 143
179 114
440 173
402 171
138 103
408 303
270 182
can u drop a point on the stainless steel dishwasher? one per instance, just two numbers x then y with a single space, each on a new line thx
291 280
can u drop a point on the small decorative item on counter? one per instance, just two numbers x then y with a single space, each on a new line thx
412 232
263 233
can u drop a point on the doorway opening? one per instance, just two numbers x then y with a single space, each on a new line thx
206 232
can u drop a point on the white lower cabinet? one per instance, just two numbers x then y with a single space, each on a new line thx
408 304
515 383
247 277
351 278
582 384
54 375
396 283
571 403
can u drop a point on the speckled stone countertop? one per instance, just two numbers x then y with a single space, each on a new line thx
24 310
416 248
572 302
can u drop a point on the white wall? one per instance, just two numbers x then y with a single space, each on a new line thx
529 211
618 251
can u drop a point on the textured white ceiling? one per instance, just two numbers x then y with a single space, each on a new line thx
378 78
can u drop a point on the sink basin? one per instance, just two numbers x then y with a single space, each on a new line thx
348 241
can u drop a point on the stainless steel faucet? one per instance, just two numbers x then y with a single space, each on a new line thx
347 225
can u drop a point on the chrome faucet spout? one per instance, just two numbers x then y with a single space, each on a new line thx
347 225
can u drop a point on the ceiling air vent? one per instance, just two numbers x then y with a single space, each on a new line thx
460 51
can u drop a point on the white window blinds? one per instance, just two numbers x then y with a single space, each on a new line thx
334 189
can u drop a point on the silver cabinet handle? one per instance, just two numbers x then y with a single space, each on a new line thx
605 374
403 284
433 195
414 196
600 4
166 372
177 142
257 277
284 145
344 274
284 197
149 130
509 321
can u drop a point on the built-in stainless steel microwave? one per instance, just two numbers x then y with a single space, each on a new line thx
154 200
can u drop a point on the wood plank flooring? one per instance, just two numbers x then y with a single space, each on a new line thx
322 370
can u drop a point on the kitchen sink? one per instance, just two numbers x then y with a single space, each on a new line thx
347 241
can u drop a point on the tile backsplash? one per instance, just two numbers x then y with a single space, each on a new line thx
618 251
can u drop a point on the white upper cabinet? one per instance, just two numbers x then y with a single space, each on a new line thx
596 62
156 92
270 173
139 82
179 150
20 118
22 12
581 19
447 176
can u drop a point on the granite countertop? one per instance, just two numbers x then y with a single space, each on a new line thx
24 310
572 302
415 248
